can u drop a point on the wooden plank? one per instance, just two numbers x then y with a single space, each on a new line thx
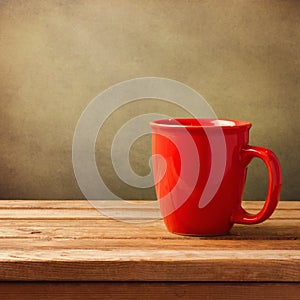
150 265
111 222
269 230
289 205
92 214
148 290
58 242
133 214
79 229
75 204
136 255
85 204
48 243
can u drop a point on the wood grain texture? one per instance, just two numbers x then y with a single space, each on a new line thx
84 204
52 240
147 265
148 290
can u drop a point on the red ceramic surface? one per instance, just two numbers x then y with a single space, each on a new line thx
180 206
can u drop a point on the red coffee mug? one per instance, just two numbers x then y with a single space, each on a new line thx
200 170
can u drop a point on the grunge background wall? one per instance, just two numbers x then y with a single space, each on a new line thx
55 56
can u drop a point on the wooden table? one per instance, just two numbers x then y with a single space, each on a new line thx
68 250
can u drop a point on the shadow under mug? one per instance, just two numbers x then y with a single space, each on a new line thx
200 168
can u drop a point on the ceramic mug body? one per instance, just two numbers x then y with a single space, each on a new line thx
200 168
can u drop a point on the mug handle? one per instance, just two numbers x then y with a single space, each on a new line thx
274 186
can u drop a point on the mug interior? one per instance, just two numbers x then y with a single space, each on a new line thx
197 122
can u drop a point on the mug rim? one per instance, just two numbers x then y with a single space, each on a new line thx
194 123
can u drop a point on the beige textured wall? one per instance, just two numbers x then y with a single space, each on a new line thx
55 56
